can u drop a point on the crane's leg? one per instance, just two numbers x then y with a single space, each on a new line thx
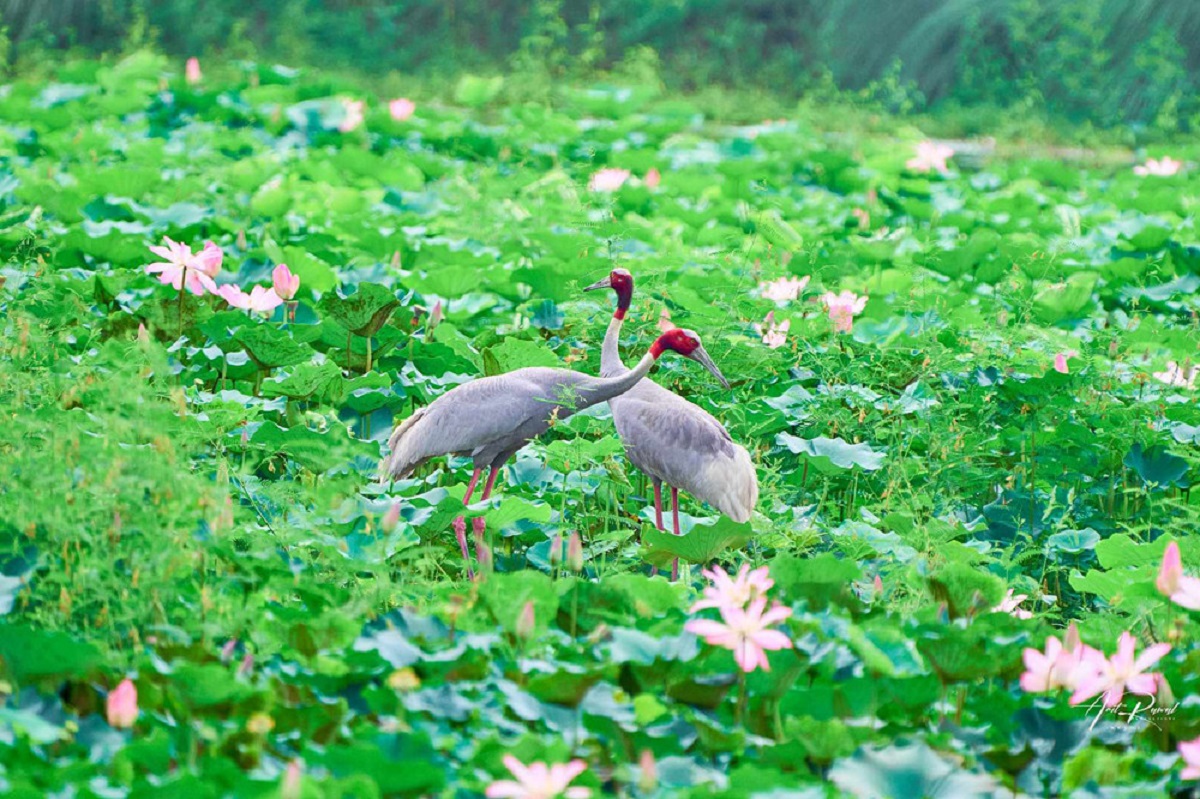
479 524
460 523
675 521
658 505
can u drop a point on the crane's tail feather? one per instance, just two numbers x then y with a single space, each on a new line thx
403 458
736 486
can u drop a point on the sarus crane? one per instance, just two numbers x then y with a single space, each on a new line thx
489 419
670 439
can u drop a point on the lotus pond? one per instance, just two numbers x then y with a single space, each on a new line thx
964 377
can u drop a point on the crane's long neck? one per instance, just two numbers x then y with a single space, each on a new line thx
610 355
594 390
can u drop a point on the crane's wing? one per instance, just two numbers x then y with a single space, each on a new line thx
483 418
686 447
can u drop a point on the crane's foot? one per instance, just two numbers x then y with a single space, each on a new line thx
460 532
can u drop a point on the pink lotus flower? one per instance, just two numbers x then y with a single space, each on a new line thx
726 592
122 704
1060 665
653 178
608 180
209 259
1177 376
539 781
774 334
1164 168
436 315
284 282
191 72
930 156
1011 605
1190 751
352 115
1183 590
259 300
183 268
785 288
1123 672
1060 361
745 632
401 108
843 308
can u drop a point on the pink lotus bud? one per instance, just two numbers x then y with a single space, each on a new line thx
401 108
556 550
1171 572
227 650
1060 363
191 72
526 623
122 704
653 178
246 666
878 583
647 772
1072 640
436 315
290 786
392 517
574 552
483 554
285 283
241 240
143 336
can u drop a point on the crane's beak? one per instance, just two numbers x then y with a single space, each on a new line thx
606 283
700 356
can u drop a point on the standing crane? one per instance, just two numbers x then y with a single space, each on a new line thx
491 418
672 440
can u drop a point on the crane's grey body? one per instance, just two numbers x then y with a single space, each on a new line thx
679 443
489 419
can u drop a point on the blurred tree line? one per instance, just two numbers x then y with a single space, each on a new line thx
1104 61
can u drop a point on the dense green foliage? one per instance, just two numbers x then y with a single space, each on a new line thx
195 506
1106 61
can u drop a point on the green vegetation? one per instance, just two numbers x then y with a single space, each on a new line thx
1109 63
188 494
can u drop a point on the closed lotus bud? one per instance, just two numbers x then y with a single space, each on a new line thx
647 772
392 517
483 554
241 240
192 72
284 282
247 665
526 622
575 552
122 704
556 550
436 315
227 650
143 336
290 786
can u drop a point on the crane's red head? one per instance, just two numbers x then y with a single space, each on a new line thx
687 344
621 282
